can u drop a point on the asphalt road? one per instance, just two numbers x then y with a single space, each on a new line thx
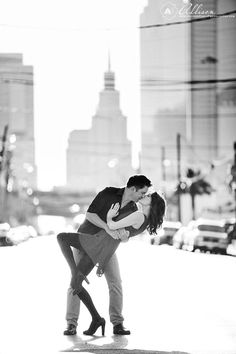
175 301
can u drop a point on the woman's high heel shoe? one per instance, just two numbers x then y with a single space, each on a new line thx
95 325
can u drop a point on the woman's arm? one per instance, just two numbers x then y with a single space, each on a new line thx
96 220
134 219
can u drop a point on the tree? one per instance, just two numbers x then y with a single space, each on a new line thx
194 184
197 186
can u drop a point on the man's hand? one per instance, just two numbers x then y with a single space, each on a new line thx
77 279
124 235
113 233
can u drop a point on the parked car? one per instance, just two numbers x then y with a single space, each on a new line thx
5 235
230 228
181 234
165 235
22 233
207 235
230 225
178 238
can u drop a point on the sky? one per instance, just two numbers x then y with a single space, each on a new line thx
67 43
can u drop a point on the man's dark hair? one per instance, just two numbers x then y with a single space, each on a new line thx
139 182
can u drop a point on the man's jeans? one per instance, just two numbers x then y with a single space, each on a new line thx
112 274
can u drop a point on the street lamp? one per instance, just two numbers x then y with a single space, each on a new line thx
75 208
12 139
113 163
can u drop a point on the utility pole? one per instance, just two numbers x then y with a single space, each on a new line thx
233 173
163 167
178 142
2 167
2 151
138 169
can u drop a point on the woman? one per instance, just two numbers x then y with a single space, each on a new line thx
97 249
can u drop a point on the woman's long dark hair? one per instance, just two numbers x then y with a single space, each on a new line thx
157 212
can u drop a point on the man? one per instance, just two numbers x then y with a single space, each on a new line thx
136 188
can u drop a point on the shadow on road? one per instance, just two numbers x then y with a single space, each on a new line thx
116 345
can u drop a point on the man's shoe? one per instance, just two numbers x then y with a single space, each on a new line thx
120 330
70 331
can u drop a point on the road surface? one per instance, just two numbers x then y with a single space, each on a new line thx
175 301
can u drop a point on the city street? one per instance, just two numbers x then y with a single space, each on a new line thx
115 110
175 301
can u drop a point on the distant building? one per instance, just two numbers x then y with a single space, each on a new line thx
226 121
100 156
17 111
203 96
182 66
163 55
226 69
213 61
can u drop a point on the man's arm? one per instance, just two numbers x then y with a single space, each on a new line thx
96 220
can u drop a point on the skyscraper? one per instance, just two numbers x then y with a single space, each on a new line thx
203 96
226 69
213 60
163 55
100 156
17 112
183 66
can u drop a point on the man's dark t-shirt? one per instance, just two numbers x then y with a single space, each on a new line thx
100 206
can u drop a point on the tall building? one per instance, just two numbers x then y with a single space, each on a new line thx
163 55
100 156
226 69
182 68
203 97
17 112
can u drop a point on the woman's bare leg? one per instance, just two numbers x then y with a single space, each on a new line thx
66 241
83 268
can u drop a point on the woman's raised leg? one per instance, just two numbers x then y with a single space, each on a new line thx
83 268
67 240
